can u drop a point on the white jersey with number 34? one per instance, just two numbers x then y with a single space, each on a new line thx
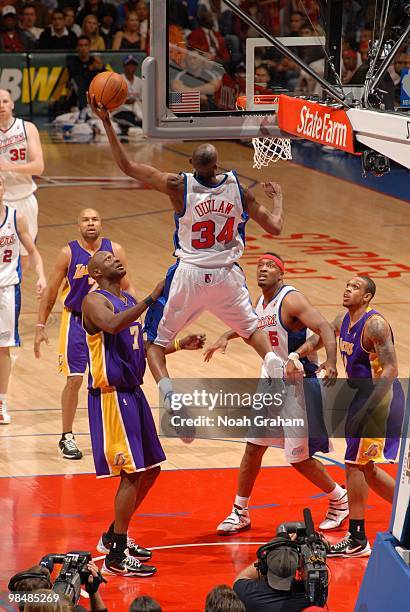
210 233
14 148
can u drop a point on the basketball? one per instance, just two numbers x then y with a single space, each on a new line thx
110 89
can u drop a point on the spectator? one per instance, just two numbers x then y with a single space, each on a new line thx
278 590
28 21
401 62
130 6
108 21
263 77
69 20
57 36
207 40
91 7
143 17
145 604
12 39
349 65
197 77
43 16
223 599
82 68
129 37
130 113
296 23
90 29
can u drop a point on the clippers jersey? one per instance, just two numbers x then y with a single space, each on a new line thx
282 339
78 282
10 272
14 148
355 358
210 233
116 360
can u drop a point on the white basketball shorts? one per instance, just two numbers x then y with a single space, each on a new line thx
10 302
29 208
220 291
304 433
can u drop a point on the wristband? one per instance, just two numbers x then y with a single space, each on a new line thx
149 301
294 356
177 345
40 325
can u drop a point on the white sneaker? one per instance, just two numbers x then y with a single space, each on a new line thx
273 365
336 513
4 415
239 520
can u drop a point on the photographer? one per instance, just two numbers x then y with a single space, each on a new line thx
38 577
278 590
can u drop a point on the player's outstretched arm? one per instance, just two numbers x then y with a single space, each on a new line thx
49 297
220 344
126 283
165 182
192 342
33 254
269 220
35 161
98 314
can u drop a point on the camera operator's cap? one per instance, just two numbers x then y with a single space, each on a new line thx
282 565
8 10
130 59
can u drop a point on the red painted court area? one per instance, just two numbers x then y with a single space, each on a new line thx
45 514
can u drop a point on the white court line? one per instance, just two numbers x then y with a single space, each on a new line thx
193 545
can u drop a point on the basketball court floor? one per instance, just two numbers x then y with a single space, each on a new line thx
333 229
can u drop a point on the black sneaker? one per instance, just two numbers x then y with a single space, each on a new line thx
349 547
68 447
133 549
128 566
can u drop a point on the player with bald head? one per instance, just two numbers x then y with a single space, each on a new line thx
21 157
70 269
210 211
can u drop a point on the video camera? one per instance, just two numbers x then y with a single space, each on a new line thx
311 549
73 574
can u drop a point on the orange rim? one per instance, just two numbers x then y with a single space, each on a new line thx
258 99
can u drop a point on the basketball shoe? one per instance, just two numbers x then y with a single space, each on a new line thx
68 447
349 547
337 512
238 520
132 550
127 566
4 415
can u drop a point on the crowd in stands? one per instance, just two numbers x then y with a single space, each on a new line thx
207 40
216 37
56 25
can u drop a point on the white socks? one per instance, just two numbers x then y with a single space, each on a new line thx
165 389
337 493
241 502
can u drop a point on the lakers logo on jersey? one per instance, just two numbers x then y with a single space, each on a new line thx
81 270
346 347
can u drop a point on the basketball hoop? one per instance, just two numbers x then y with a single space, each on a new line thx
267 150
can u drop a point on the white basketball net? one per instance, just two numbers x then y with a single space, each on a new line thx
269 150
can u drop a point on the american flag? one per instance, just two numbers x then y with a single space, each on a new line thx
185 101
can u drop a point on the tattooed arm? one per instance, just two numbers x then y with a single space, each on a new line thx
377 338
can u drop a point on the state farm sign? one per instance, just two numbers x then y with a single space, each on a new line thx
316 122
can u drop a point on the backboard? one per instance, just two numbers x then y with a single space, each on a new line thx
201 62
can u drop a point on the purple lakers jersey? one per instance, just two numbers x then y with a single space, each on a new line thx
116 360
78 283
356 359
